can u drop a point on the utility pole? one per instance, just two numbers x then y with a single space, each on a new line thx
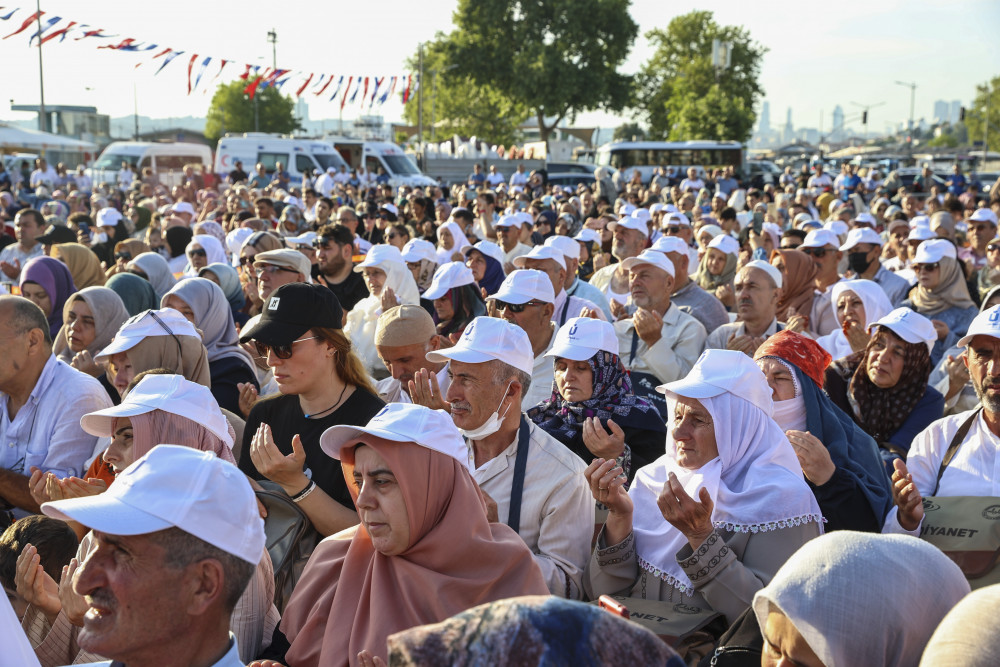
420 105
43 120
986 123
913 91
272 37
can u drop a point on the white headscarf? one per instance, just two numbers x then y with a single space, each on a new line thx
877 306
864 599
459 245
966 635
214 251
756 484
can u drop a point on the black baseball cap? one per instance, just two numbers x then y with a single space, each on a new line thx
292 310
57 234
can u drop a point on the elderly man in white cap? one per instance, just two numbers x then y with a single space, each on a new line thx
660 342
178 537
536 482
525 298
550 261
570 250
403 337
691 298
823 247
275 268
864 248
508 229
758 288
630 237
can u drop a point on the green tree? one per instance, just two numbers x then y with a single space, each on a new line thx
627 131
455 104
976 116
681 95
556 57
231 110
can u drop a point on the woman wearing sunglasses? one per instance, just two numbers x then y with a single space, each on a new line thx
202 251
322 384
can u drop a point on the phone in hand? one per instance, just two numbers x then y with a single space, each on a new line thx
608 603
758 221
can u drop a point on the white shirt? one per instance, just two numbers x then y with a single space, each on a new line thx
516 251
324 185
47 178
819 181
688 184
391 390
557 509
569 307
518 178
125 177
682 340
341 177
495 178
542 376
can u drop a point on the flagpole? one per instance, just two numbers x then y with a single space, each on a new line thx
42 119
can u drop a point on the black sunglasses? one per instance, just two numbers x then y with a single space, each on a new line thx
246 260
516 307
993 247
282 350
197 252
124 254
917 268
672 229
818 253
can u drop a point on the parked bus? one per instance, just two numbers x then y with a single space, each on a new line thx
645 156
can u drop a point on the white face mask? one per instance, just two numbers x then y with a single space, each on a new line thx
100 238
491 425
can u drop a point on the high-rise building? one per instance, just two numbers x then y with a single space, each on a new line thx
788 133
956 106
837 130
765 118
941 111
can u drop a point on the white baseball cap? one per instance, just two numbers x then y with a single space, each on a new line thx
641 213
725 243
769 269
653 258
488 248
986 323
564 244
391 208
984 215
838 227
656 207
525 285
418 249
628 222
678 217
108 217
866 218
861 235
626 210
934 250
667 244
921 221
525 218
305 239
541 252
588 235
170 393
402 422
490 339
909 325
447 276
378 254
512 220
183 207
580 338
720 371
235 240
820 238
175 487
165 322
921 234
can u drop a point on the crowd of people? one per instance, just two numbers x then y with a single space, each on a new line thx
254 424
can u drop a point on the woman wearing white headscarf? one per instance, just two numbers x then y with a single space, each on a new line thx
451 241
202 251
712 520
829 605
205 305
155 269
390 283
856 304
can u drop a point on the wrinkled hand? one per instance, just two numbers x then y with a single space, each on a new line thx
648 325
746 343
726 295
908 500
813 456
84 362
592 313
35 585
856 336
607 485
388 299
692 518
424 390
601 443
285 470
958 374
248 397
941 328
796 322
11 269
601 260
37 484
366 659
618 310
73 604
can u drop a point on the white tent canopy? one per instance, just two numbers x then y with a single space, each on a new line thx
12 137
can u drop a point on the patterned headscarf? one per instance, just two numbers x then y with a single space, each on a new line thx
800 351
613 398
880 412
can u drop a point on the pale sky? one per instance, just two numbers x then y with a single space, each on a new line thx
845 52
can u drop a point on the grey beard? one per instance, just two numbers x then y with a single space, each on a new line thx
991 405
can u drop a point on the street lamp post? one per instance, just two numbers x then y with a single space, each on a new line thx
43 121
913 90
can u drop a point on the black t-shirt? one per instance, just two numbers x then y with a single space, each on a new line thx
349 292
284 415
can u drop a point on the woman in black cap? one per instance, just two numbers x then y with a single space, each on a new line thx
322 384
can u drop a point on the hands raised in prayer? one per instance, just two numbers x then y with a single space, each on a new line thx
34 584
813 456
287 471
908 500
601 443
692 518
424 390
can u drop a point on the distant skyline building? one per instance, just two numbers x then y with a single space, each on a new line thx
941 111
837 129
956 107
788 133
765 118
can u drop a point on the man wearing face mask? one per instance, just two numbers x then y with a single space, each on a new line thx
863 248
536 483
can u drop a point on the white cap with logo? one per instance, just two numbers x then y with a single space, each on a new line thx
723 371
986 323
564 244
909 325
820 238
525 285
653 258
583 337
490 339
934 250
628 222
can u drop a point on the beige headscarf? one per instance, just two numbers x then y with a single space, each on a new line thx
108 311
184 355
951 291
82 263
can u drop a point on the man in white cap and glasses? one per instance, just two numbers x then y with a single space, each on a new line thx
864 248
178 537
508 229
536 482
691 298
957 456
660 342
758 288
570 250
550 261
630 237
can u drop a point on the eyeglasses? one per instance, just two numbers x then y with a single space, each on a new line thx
244 261
672 229
124 255
818 253
270 268
197 252
282 351
917 268
993 247
516 307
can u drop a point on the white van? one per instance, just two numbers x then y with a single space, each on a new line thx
398 166
297 155
166 159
